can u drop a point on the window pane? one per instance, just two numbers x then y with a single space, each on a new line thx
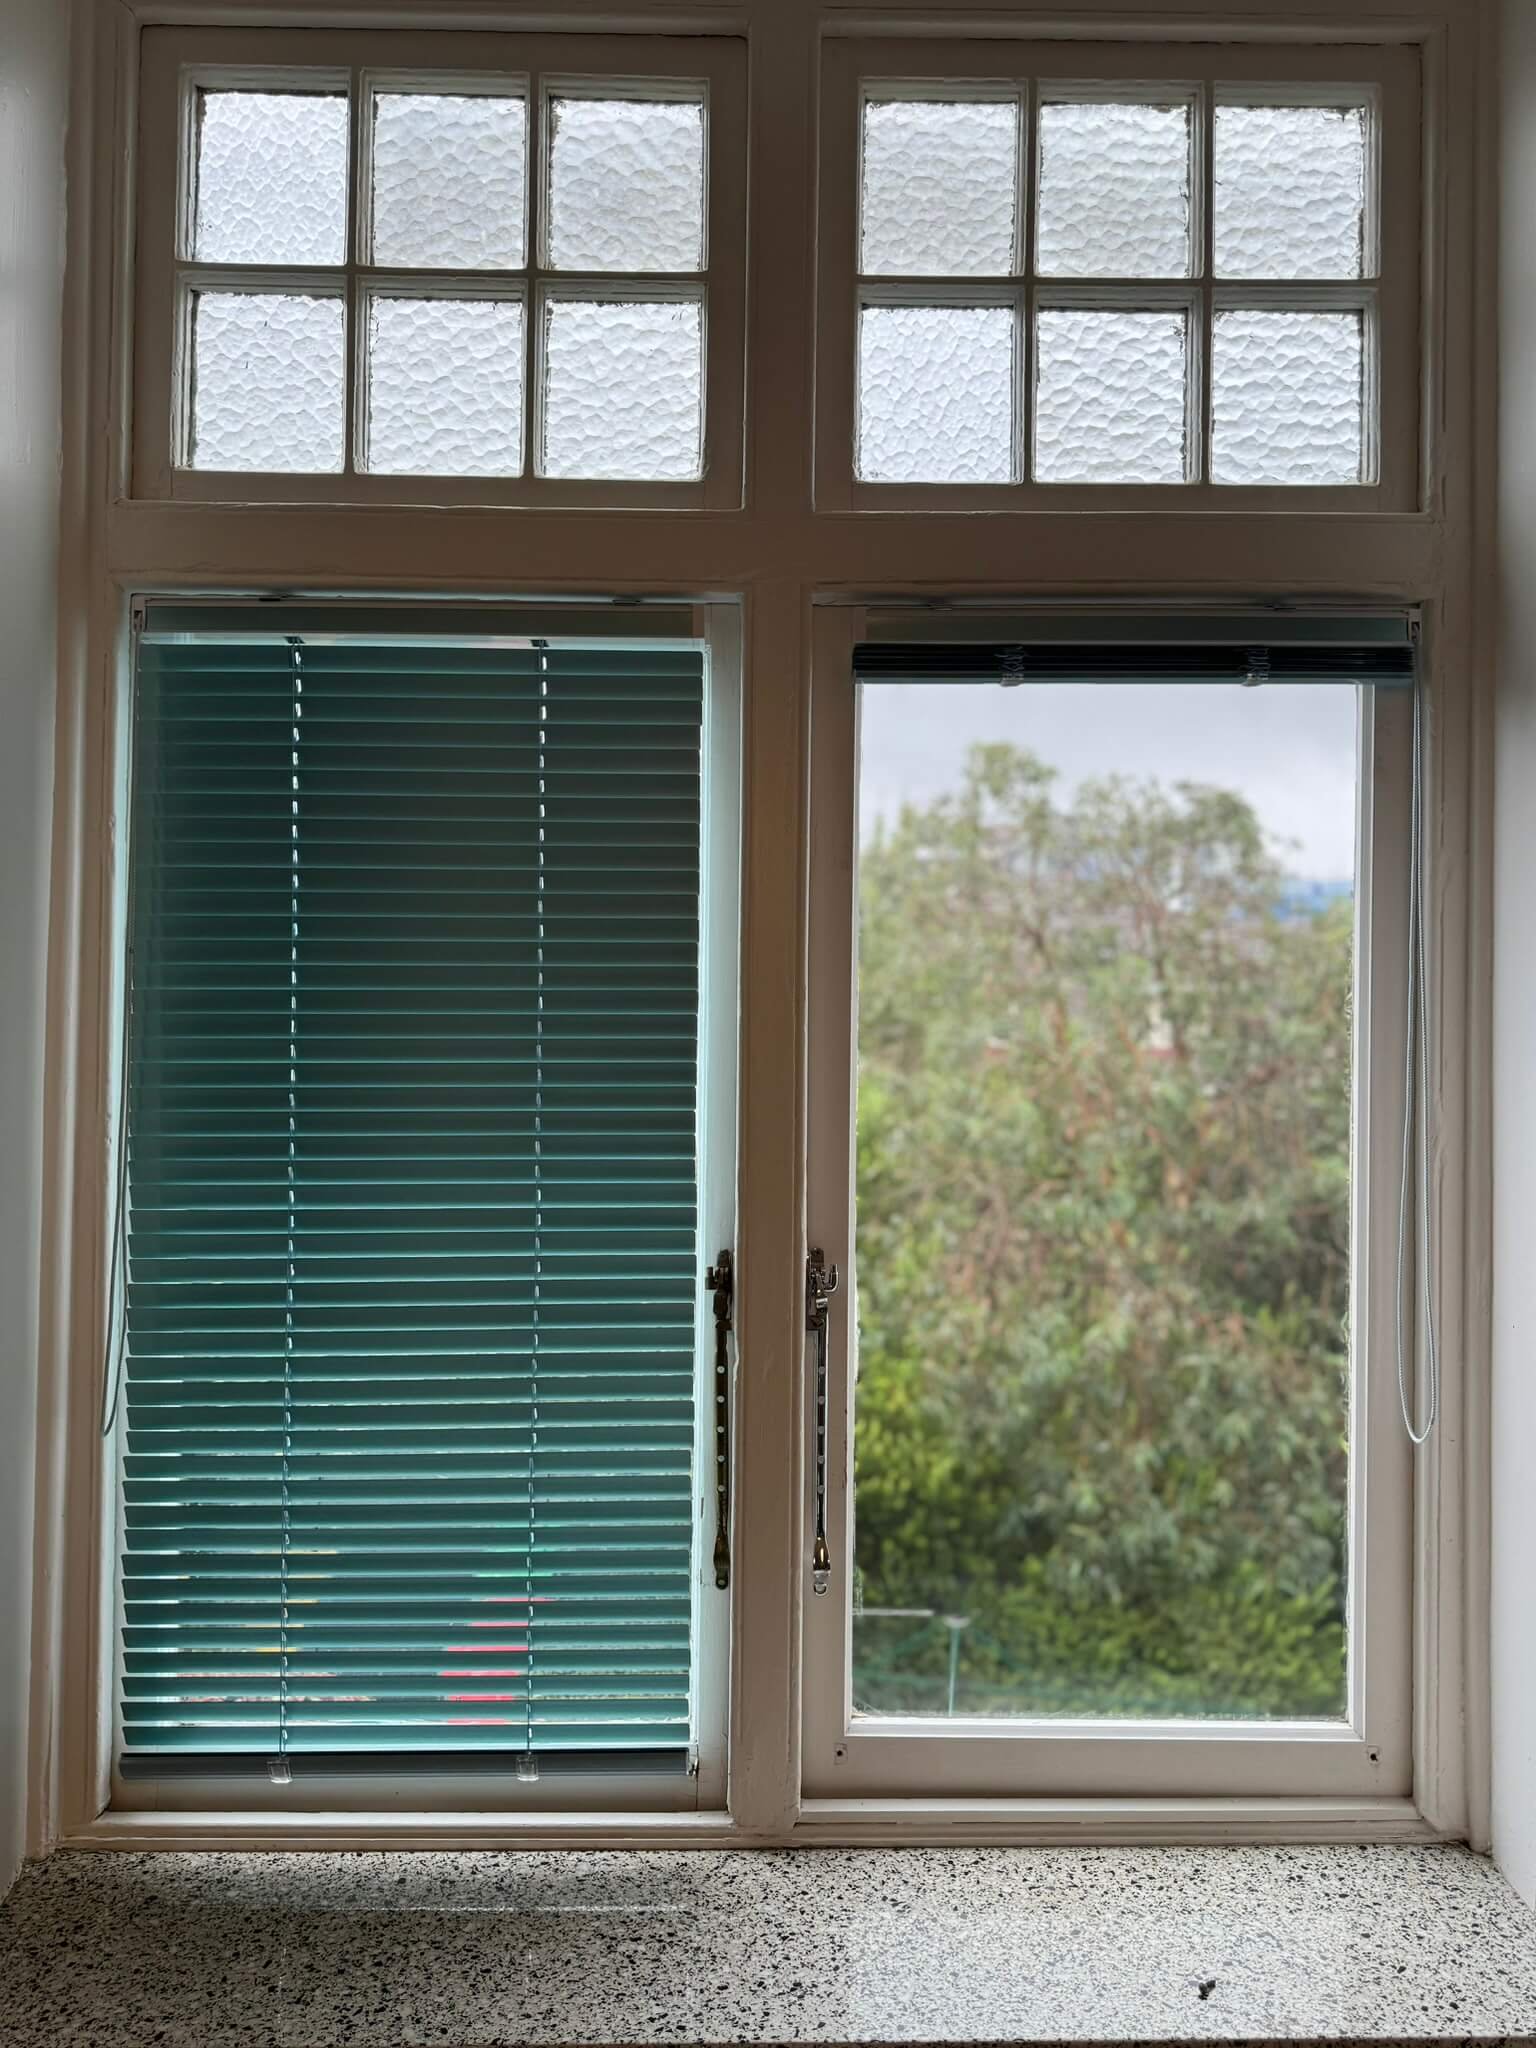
1105 974
271 177
445 386
626 184
623 389
1110 397
1114 191
940 187
267 381
1290 191
936 387
449 180
1286 391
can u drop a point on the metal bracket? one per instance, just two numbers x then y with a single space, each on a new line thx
721 1279
820 1286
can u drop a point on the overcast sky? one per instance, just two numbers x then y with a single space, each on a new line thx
1288 747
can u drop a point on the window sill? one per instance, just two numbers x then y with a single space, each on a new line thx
479 1950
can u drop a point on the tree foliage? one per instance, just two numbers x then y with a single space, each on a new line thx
1103 1254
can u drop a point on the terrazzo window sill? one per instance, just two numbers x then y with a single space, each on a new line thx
486 1949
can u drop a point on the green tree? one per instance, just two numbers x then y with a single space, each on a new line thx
1103 1254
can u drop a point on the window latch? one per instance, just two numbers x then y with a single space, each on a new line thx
721 1279
820 1286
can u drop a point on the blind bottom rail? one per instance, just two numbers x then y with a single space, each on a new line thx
476 1763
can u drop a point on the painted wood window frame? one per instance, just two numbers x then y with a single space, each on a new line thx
177 63
1385 82
787 557
1369 1751
716 629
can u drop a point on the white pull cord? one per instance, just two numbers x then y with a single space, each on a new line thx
1416 1094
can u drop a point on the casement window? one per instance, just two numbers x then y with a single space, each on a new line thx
899 719
501 269
1109 1476
1047 270
416 1145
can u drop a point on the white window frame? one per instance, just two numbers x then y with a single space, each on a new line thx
1368 1752
178 63
1385 82
717 630
785 550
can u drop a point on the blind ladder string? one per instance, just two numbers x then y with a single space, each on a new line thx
290 1272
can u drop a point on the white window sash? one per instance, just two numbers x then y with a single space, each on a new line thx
1369 1752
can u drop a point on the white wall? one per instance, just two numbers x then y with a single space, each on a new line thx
32 100
1514 1066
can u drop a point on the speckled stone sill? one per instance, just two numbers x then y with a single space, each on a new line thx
892 1946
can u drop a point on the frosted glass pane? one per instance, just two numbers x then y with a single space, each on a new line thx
449 180
936 394
267 381
623 389
445 386
271 177
626 184
1286 396
940 188
1109 397
1290 191
1114 191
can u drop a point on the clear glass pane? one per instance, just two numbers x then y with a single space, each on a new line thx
450 180
1114 191
626 184
936 394
271 178
623 389
1110 402
1287 396
445 386
1103 1200
268 381
1289 191
939 194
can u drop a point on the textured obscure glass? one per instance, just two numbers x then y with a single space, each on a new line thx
623 389
1114 190
1286 398
271 177
1109 397
267 381
1290 191
445 386
939 195
449 180
626 184
936 394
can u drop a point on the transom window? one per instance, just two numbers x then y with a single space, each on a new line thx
381 271
1113 281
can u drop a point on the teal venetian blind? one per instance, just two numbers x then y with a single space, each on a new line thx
411 1186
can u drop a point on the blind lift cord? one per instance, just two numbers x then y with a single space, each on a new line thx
1415 1085
1416 1096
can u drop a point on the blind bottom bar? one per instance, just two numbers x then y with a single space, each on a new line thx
416 1763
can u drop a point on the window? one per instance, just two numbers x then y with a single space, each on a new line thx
1168 274
1111 1307
413 366
413 1199
498 281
